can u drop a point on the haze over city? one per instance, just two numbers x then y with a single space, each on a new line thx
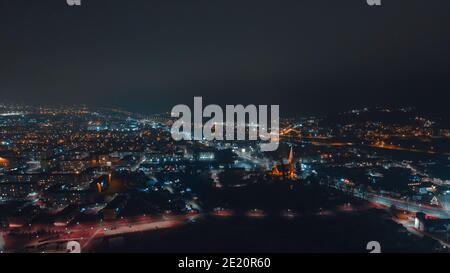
95 159
310 57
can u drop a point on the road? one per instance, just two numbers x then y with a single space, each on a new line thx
409 206
400 204
86 233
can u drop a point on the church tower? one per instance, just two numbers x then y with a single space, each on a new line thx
291 165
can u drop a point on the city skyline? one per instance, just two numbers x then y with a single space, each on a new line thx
95 179
224 127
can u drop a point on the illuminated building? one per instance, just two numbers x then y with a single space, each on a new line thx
287 168
426 224
4 162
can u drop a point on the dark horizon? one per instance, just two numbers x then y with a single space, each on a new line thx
311 57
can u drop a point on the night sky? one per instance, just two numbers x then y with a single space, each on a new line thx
309 56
